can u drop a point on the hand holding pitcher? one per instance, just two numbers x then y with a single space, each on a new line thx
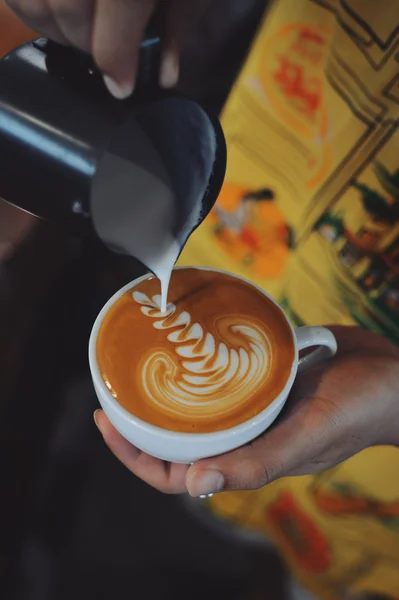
112 32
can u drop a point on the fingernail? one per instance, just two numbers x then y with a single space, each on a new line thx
206 483
120 92
170 67
95 416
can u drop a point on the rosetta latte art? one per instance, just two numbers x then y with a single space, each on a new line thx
194 373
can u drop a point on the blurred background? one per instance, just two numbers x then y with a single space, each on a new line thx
73 521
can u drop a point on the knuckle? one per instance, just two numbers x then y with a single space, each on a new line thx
255 474
113 60
105 58
32 9
111 56
170 489
67 9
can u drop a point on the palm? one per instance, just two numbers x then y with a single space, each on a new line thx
331 415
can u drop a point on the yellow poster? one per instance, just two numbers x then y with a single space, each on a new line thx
310 212
311 199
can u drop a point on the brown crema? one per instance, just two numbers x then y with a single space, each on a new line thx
220 354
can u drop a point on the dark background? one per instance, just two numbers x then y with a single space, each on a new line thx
74 522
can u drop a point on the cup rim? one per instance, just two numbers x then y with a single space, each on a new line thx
167 434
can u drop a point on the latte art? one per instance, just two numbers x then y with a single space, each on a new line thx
220 353
196 374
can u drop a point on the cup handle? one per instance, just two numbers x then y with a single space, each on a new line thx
315 336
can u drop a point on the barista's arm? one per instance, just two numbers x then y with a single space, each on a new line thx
334 412
112 31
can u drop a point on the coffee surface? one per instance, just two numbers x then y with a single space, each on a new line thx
220 354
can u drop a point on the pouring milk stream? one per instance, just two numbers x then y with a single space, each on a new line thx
149 207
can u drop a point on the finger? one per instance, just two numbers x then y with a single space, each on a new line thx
180 19
37 16
166 477
293 447
119 28
74 18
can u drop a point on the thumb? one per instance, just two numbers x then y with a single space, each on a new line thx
287 449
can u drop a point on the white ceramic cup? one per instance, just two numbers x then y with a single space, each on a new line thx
187 448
